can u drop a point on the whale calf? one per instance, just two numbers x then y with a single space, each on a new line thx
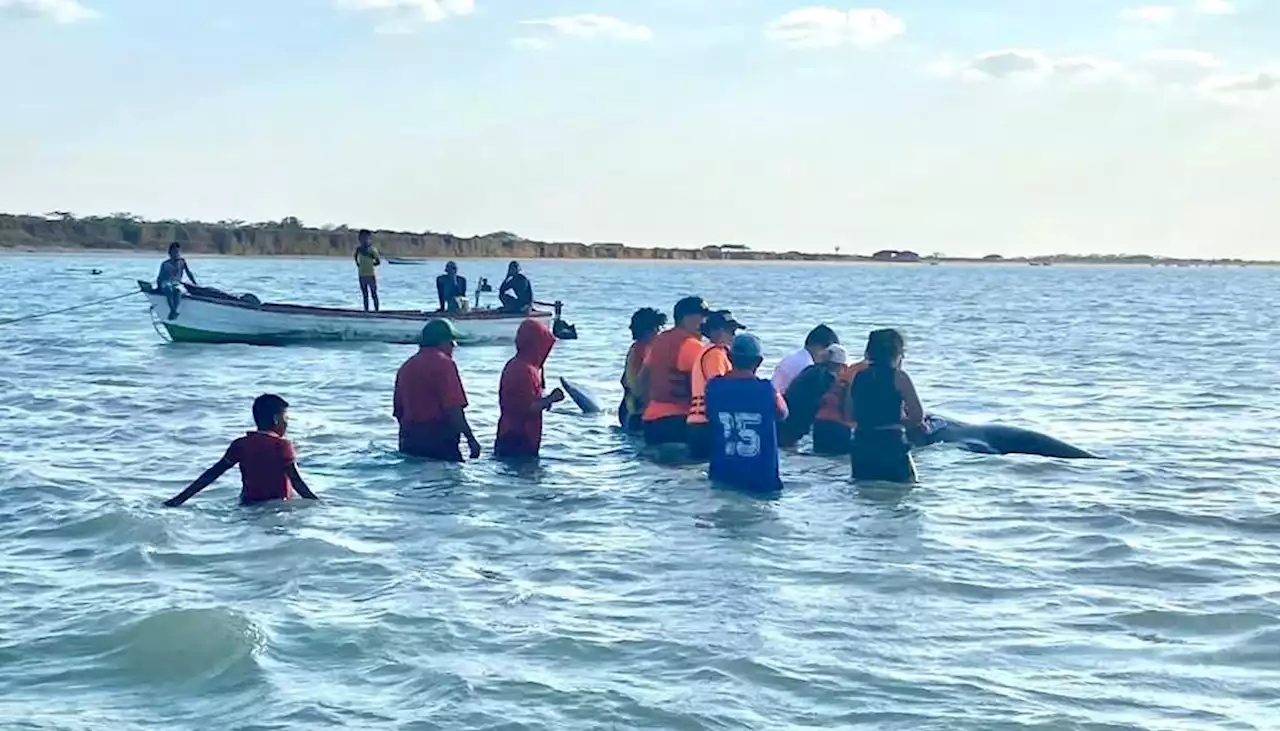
996 439
584 400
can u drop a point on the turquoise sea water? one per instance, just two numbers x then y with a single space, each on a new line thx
601 591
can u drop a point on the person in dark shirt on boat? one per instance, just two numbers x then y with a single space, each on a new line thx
169 280
268 463
430 402
452 289
516 292
367 263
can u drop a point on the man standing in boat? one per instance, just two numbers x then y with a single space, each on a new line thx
367 263
169 281
516 292
452 289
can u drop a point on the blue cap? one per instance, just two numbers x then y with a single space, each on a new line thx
746 347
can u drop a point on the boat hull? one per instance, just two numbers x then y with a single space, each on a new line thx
206 320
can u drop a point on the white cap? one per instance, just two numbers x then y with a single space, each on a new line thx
837 354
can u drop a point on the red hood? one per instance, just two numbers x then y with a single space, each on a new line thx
533 342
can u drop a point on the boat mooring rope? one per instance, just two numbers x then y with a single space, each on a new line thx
73 308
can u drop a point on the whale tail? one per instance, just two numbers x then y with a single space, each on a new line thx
581 397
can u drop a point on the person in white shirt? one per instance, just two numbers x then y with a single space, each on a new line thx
815 348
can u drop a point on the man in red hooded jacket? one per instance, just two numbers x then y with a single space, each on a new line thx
520 396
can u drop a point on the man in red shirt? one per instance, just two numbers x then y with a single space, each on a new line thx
430 401
268 464
520 396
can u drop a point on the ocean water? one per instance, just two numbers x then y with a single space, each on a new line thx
600 591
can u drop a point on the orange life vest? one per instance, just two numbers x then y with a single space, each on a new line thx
706 369
834 400
670 389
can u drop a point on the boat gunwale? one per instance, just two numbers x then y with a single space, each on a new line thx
411 315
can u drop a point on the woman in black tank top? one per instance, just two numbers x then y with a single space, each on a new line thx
883 404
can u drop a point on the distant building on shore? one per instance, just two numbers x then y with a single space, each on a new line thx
891 255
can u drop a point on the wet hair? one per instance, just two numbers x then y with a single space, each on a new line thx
884 346
646 320
267 409
821 337
175 246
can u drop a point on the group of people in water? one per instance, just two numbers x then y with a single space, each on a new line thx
694 384
515 292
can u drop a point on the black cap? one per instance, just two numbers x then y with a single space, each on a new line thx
721 320
690 306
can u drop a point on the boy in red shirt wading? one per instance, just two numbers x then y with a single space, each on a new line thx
520 393
268 464
430 402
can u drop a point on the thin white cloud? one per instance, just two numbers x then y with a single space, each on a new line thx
1178 66
1260 82
825 27
1088 68
406 16
58 11
594 27
1149 14
1215 7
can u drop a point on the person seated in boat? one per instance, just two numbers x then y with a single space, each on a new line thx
719 329
516 292
430 401
744 411
268 462
816 400
646 323
883 405
815 345
367 263
520 398
169 280
452 289
666 378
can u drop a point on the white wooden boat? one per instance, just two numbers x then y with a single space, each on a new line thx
207 315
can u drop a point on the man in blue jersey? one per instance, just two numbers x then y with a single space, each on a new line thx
744 411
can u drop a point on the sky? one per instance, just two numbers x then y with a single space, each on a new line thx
967 128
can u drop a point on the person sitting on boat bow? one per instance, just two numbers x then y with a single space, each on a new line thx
516 292
169 280
452 289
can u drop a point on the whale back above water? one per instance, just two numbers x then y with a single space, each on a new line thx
1002 439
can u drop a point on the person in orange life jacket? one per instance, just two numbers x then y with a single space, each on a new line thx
646 323
268 464
744 411
520 398
833 425
666 378
816 399
883 404
430 402
719 328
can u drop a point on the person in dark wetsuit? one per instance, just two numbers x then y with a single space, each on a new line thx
516 292
169 280
451 288
883 404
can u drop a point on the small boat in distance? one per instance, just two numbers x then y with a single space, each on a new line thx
208 315
406 262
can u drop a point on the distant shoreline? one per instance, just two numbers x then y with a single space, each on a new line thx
844 261
122 234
